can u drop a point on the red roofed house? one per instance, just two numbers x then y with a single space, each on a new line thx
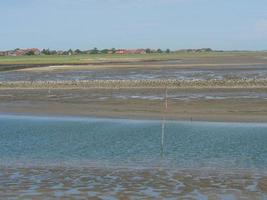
130 51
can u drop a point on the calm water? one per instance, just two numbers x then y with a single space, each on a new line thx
196 144
79 157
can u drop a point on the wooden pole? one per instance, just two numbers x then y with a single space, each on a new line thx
163 123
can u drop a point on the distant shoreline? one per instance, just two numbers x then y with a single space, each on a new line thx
19 62
12 67
110 98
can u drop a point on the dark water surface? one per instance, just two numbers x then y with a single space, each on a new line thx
120 159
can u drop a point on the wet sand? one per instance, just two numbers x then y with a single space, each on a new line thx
60 158
108 183
240 105
178 66
203 87
210 102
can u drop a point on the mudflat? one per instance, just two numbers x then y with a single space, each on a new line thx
201 87
240 105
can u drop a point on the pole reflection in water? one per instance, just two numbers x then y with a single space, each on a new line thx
163 124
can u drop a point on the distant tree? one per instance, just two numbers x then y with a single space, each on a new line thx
70 52
78 51
94 51
167 51
208 49
30 53
113 50
148 50
104 51
65 53
159 51
204 50
53 52
43 51
46 52
86 51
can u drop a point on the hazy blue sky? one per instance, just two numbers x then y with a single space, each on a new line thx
175 24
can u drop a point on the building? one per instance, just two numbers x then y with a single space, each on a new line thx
130 51
60 52
20 52
34 50
2 53
120 51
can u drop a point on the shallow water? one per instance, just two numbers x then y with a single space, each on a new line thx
115 158
133 142
138 74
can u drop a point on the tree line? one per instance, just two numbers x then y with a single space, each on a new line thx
95 51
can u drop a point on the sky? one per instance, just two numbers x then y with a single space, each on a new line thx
174 24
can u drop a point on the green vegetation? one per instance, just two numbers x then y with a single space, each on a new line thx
30 53
98 58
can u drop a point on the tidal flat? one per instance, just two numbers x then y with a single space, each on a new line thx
66 157
214 104
119 140
228 86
